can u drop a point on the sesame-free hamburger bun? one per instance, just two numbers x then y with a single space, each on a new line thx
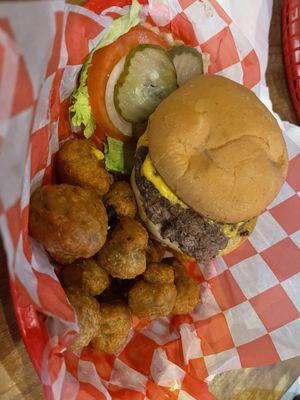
212 151
218 148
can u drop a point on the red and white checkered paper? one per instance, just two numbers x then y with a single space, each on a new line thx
249 314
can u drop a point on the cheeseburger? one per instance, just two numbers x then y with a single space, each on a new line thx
211 160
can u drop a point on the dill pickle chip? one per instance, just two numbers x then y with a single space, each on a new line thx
188 63
148 77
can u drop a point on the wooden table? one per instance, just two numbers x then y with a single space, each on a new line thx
18 380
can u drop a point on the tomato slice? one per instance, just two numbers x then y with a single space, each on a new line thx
103 63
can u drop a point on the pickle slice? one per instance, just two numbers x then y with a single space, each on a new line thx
148 77
188 63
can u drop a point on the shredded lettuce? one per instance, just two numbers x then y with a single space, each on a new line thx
119 156
82 112
80 109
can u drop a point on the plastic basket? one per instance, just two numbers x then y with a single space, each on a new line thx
291 48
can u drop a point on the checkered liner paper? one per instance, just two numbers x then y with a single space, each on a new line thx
249 312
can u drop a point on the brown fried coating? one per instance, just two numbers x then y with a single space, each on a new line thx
152 300
114 328
69 221
88 317
155 252
78 163
86 275
124 254
159 273
121 198
187 290
110 296
182 258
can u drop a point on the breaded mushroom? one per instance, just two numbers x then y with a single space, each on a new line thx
155 252
69 221
154 296
114 328
152 300
124 254
88 317
159 273
188 294
79 162
121 198
86 275
182 258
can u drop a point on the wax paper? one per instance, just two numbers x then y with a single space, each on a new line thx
249 310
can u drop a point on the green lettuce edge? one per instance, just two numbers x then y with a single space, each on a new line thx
80 107
119 156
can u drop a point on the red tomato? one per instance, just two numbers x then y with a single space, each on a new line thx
103 63
64 128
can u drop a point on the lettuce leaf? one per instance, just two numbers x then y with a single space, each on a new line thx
119 156
80 109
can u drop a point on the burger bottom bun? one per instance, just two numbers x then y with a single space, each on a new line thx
154 229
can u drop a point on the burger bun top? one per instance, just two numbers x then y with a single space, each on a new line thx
218 148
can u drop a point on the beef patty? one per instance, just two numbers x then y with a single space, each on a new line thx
195 235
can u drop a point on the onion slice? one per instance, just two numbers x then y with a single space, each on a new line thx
124 126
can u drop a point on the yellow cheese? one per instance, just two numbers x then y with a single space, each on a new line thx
143 140
231 230
148 171
98 153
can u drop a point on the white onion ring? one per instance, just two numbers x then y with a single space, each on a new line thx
124 127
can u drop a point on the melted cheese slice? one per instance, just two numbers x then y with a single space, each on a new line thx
98 153
149 172
231 230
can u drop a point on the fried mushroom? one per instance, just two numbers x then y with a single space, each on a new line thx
88 317
155 252
69 221
159 273
124 254
86 275
114 327
152 300
187 290
121 198
79 162
154 296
